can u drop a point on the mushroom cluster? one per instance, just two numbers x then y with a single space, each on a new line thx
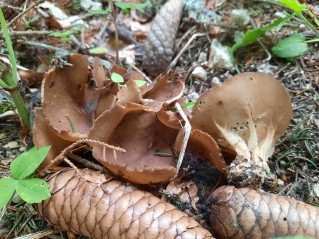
79 102
234 126
245 116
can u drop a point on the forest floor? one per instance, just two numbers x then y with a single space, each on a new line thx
37 40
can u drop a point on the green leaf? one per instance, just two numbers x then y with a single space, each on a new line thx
189 104
33 190
62 34
7 188
140 83
291 46
98 50
252 35
126 6
117 78
100 12
26 163
293 5
3 84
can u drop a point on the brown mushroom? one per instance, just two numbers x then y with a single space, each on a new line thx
67 99
44 136
148 143
246 116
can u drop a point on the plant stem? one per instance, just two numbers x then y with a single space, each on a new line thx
312 40
11 80
23 111
116 31
309 24
10 50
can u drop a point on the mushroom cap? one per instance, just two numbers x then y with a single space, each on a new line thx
136 129
248 100
43 135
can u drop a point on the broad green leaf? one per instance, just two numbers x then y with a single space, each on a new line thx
27 162
117 78
252 35
126 6
291 46
100 12
140 83
7 188
293 5
98 50
33 190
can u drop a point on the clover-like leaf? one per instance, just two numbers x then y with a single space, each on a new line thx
117 78
7 188
140 83
292 46
33 190
26 163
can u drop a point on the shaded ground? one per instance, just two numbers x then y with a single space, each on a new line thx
296 158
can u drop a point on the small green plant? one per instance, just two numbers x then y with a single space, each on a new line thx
98 50
292 46
298 8
251 36
9 77
127 6
64 36
119 80
297 43
124 6
30 189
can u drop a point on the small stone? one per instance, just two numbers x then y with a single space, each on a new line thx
215 81
11 145
90 5
219 56
192 97
3 135
202 57
200 72
267 68
240 17
316 189
280 182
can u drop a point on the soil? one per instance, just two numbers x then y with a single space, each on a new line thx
295 162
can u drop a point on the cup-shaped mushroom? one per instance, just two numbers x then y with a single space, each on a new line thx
246 116
149 156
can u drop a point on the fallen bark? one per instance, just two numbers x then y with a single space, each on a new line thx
246 213
95 205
